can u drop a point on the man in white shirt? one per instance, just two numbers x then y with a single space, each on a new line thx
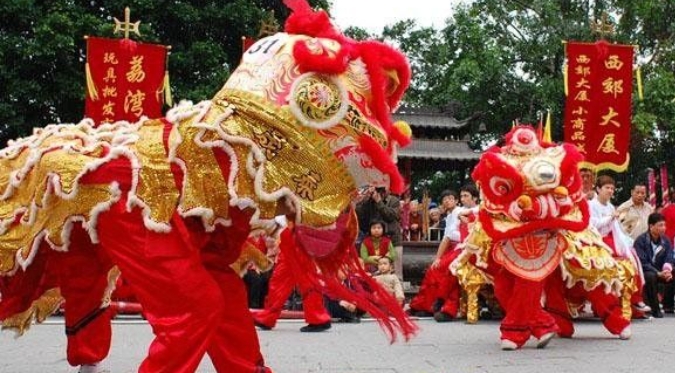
604 217
633 214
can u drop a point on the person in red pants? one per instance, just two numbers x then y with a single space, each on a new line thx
189 292
82 278
284 279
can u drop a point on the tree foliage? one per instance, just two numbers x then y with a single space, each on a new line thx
42 50
504 60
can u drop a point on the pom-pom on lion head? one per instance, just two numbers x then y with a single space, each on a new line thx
344 90
529 185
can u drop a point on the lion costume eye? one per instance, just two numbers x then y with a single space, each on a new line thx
318 100
500 186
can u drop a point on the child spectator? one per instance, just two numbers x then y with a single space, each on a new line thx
388 280
376 246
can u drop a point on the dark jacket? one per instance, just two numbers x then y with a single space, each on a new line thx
387 210
649 261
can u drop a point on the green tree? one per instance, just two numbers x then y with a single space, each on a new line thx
42 50
504 60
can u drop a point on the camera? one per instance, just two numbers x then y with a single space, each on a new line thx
381 190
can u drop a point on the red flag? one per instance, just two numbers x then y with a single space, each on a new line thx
665 192
125 80
651 185
598 108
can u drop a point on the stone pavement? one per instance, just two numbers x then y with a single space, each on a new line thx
364 348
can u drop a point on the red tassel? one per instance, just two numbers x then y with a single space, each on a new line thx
368 295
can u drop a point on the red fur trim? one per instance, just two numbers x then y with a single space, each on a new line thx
378 58
306 21
368 295
323 63
383 162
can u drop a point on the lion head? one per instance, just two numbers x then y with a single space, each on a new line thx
529 185
341 89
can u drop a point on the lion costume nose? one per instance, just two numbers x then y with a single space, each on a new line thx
525 202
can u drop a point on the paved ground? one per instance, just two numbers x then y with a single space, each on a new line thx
364 348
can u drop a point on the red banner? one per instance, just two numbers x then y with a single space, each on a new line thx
651 185
125 80
665 191
598 108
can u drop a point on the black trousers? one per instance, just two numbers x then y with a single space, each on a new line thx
651 291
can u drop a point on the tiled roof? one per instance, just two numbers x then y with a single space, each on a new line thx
430 120
439 149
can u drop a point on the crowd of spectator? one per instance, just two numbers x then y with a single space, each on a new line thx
633 230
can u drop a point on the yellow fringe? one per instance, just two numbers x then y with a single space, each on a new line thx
639 83
167 90
91 87
565 81
547 128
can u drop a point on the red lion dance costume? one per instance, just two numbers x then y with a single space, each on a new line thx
302 122
534 242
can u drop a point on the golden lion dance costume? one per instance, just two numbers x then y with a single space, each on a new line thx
533 238
302 122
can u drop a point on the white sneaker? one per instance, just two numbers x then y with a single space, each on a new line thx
509 345
545 339
626 333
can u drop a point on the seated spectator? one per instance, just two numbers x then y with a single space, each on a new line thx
656 257
341 309
388 280
376 246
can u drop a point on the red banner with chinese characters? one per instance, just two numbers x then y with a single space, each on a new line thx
598 108
125 80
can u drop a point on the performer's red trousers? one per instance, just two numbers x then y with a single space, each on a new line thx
282 282
194 302
439 284
521 300
606 306
82 277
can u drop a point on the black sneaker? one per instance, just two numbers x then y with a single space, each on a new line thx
442 317
262 326
311 328
350 320
657 315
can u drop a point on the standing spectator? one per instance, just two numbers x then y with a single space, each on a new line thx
378 204
434 224
388 280
376 246
656 257
415 220
668 213
587 182
449 200
604 219
633 213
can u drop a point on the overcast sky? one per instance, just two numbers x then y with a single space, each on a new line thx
373 15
